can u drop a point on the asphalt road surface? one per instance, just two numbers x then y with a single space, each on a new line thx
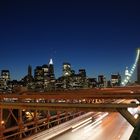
110 127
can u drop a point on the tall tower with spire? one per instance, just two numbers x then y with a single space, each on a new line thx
51 70
28 78
51 62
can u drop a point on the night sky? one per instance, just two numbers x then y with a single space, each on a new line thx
100 36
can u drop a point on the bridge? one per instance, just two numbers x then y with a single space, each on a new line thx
64 105
103 100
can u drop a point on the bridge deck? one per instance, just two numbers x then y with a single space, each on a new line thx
69 106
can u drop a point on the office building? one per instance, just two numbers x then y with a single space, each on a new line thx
115 79
102 81
5 75
51 70
5 78
67 69
38 73
82 72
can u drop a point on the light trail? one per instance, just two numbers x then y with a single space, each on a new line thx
87 121
81 123
77 128
89 128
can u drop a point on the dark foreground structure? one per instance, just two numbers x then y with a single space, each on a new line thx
136 132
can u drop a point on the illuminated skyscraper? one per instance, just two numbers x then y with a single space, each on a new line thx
51 70
45 71
67 69
38 73
5 75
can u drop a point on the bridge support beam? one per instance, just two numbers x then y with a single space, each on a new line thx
1 123
48 119
128 116
20 123
138 99
35 120
136 132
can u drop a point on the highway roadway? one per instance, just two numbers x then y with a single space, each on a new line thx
110 127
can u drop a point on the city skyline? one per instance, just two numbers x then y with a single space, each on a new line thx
100 37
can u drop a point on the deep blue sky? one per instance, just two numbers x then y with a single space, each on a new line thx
100 36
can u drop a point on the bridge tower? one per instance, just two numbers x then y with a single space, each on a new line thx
131 71
138 67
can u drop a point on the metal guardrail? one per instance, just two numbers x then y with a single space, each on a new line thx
52 132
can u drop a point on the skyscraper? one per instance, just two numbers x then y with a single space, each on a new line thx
51 70
101 81
38 73
45 71
67 69
115 79
29 70
5 75
28 79
82 72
